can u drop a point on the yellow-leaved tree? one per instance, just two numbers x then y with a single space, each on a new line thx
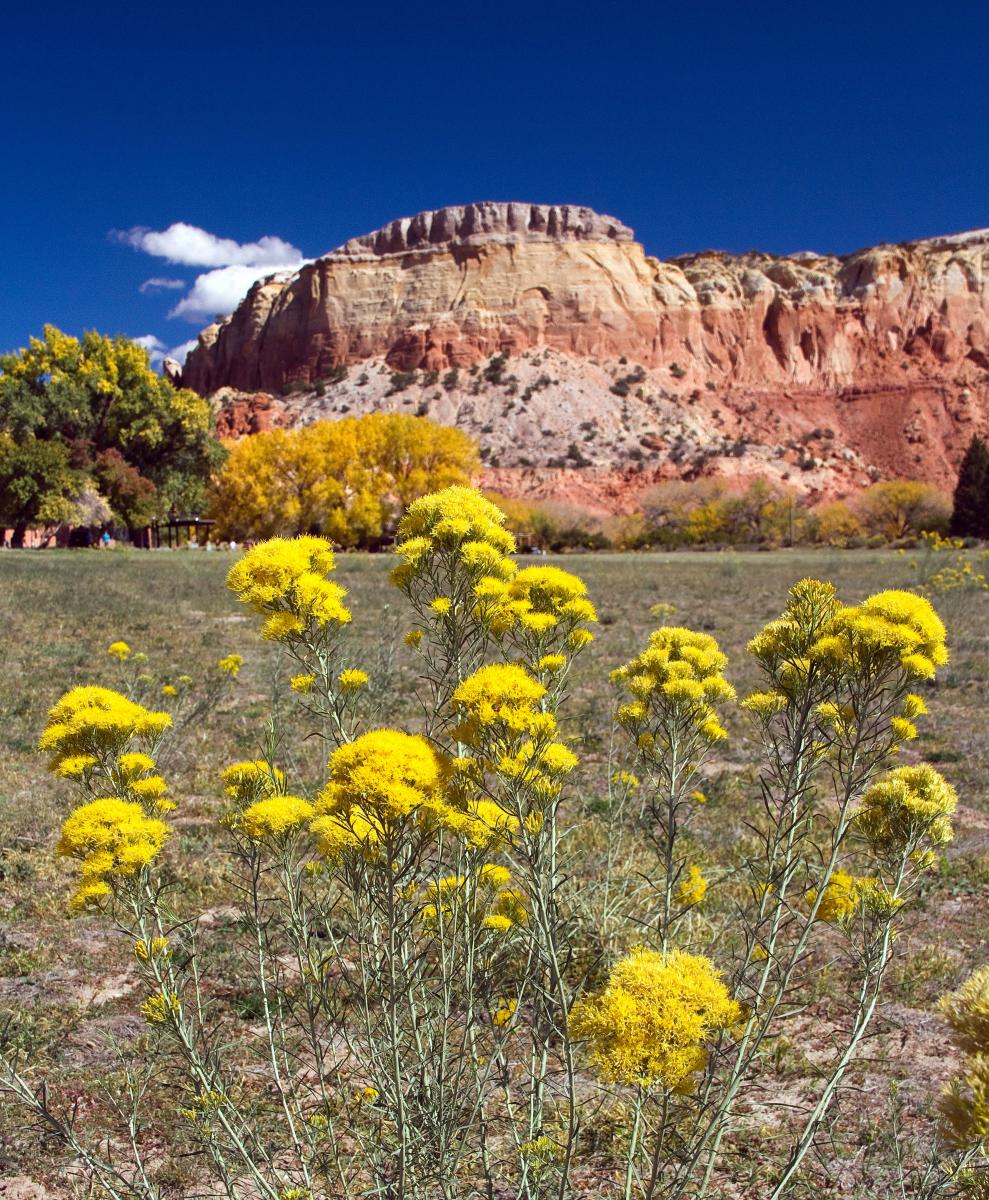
348 479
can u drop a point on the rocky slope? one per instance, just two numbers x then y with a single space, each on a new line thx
588 369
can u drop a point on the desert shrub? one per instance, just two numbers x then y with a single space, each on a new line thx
712 512
836 524
903 508
428 1019
552 525
494 372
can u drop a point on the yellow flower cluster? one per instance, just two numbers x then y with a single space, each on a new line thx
378 784
889 630
456 565
248 782
112 839
457 522
157 1009
692 888
501 722
676 682
274 818
906 809
503 1014
967 1012
156 948
499 706
891 636
783 645
548 607
965 1101
119 650
91 725
842 897
386 781
114 835
649 1025
284 580
488 899
230 664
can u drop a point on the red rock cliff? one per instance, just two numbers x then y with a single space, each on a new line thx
882 355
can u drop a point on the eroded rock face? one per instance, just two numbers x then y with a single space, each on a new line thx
888 347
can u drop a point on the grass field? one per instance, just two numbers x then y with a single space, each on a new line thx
65 980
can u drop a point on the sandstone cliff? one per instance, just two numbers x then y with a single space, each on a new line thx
621 369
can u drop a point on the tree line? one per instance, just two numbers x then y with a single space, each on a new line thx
91 436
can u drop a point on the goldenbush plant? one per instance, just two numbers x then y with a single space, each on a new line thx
437 1011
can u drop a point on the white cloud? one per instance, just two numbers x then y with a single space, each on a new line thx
159 351
235 266
160 284
218 292
179 353
191 246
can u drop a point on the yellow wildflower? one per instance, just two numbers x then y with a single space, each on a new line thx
284 581
250 781
499 702
377 781
906 807
841 899
119 650
156 1009
693 889
75 765
302 683
274 818
230 664
650 1023
97 722
967 1012
677 680
504 1012
498 922
156 948
112 839
352 679
551 663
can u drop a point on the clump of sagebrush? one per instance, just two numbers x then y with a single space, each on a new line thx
408 925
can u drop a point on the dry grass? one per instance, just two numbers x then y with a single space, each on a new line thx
66 982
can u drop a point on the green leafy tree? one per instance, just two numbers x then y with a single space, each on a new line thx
970 515
132 497
97 396
38 485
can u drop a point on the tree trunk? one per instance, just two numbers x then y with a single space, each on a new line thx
17 537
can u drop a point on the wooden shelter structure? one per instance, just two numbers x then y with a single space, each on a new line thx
174 528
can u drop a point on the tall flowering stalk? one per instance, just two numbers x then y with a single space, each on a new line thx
676 686
834 711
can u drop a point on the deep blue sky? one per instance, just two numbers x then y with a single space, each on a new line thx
779 126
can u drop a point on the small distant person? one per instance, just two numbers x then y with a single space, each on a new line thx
105 540
233 544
